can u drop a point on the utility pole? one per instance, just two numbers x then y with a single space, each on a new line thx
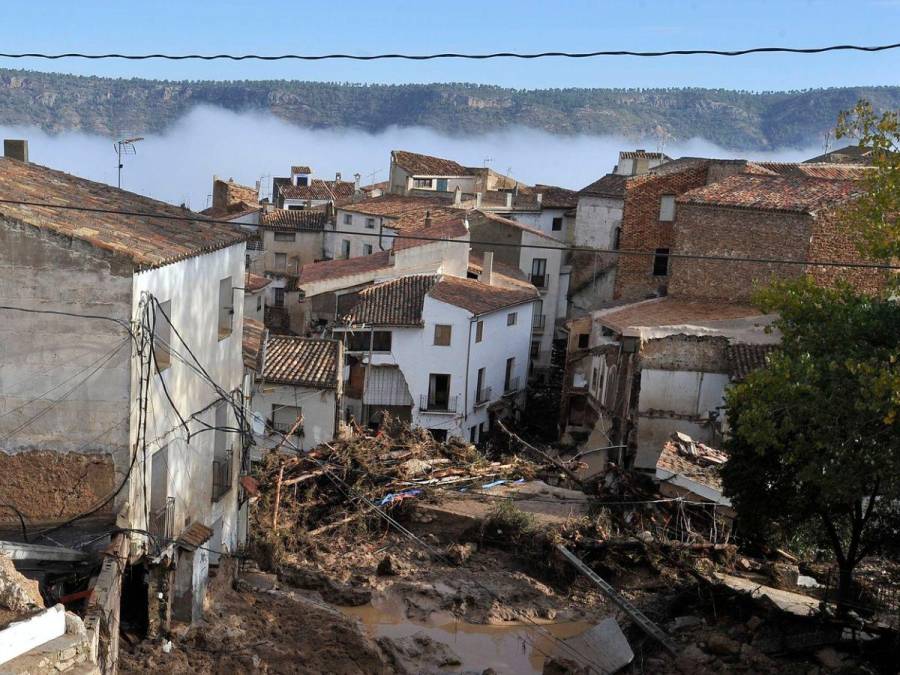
124 147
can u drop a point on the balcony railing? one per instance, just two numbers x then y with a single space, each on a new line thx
221 475
539 280
255 245
162 522
512 386
482 396
438 405
538 322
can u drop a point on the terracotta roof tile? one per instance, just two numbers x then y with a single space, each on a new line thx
194 536
507 275
451 228
821 170
743 359
403 212
307 362
252 342
149 241
774 193
695 461
553 197
255 282
611 185
294 220
393 303
477 297
427 165
335 269
672 312
493 217
300 169
318 189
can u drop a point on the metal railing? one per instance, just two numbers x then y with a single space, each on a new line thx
441 405
162 521
482 396
512 386
538 322
221 475
255 245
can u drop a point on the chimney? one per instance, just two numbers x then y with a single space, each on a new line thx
15 149
509 198
477 200
337 176
356 179
457 196
487 268
540 197
428 219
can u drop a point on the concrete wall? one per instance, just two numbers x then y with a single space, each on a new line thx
553 295
596 219
543 220
64 381
307 247
357 234
255 305
317 405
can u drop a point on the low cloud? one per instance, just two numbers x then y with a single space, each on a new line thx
178 166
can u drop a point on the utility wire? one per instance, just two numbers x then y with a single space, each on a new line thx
451 55
560 247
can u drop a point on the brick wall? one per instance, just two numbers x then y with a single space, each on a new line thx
227 193
712 230
643 231
832 241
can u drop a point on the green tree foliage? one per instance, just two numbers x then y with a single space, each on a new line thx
815 440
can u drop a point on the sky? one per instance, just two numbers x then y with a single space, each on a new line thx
262 26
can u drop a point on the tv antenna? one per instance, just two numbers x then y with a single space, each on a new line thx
486 161
124 147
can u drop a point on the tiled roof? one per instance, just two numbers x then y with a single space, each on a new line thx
450 228
509 222
826 171
335 269
194 536
504 275
300 169
774 193
233 211
849 154
302 362
639 154
149 241
553 197
404 212
252 342
611 185
743 359
393 303
426 165
294 220
255 282
477 297
672 312
318 189
695 461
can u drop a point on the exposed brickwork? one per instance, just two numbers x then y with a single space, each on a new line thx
642 229
833 240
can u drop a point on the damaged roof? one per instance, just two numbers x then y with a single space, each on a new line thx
397 302
251 342
158 238
479 298
794 194
743 358
699 463
428 165
302 362
671 311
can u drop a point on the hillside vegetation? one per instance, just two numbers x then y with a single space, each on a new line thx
733 119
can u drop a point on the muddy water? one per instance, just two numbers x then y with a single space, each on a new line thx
507 648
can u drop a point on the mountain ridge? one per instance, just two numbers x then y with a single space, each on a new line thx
733 119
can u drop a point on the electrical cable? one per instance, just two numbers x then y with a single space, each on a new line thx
452 55
561 247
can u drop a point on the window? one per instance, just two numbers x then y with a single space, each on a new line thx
557 224
479 331
539 272
302 181
280 261
221 464
661 262
259 302
439 435
161 506
162 336
279 297
367 249
667 208
284 417
584 340
295 207
509 382
473 434
348 219
345 249
511 318
426 183
482 394
379 340
535 349
595 378
537 320
438 392
617 238
285 236
226 307
370 223
442 334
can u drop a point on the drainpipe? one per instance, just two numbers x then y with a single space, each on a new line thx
466 392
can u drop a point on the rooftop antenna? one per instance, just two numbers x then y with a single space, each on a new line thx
486 161
124 147
827 142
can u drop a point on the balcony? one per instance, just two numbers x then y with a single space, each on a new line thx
438 404
162 522
540 280
255 245
482 396
538 322
221 475
511 387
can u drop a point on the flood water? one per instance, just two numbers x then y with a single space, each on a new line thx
507 648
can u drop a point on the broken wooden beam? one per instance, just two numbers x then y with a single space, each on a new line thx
18 551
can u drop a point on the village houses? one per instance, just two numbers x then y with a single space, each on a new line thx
111 374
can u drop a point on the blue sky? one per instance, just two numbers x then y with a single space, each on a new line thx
500 25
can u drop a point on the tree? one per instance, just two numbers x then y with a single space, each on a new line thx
815 441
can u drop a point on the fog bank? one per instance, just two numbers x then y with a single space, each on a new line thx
178 166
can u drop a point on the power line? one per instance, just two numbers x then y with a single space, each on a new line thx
451 55
561 247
